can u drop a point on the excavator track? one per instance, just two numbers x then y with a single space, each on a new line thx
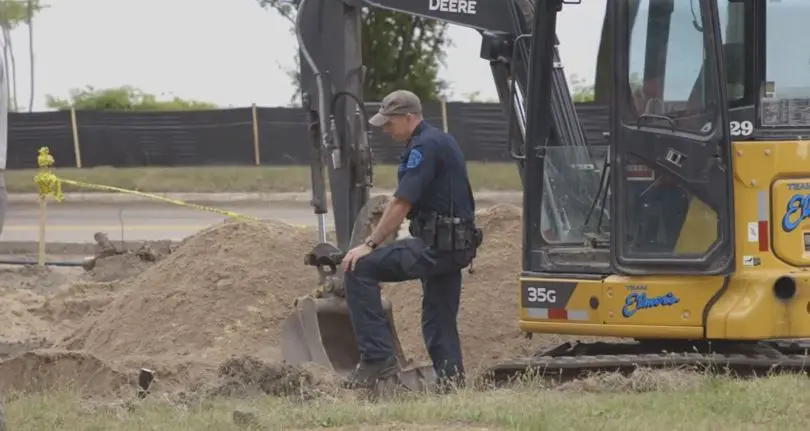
571 361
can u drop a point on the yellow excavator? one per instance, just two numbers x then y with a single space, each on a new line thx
682 238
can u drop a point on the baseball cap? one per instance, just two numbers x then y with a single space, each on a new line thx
396 103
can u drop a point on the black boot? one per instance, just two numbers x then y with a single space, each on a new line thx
448 383
368 373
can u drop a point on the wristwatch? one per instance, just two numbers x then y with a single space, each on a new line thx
371 244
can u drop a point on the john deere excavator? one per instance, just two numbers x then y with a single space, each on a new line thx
683 235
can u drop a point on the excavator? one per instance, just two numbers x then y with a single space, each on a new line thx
680 239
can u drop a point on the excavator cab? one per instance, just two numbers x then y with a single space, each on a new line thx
667 146
695 249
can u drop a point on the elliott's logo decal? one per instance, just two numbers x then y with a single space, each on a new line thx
797 208
454 6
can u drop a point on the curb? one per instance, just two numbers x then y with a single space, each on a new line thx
238 198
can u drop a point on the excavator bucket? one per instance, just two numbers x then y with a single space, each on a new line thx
319 329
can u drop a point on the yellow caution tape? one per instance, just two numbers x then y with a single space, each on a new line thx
49 184
46 181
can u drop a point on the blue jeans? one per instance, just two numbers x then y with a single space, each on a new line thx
440 273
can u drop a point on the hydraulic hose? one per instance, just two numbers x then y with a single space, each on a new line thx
361 106
354 97
365 133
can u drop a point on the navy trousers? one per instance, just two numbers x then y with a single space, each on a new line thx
440 273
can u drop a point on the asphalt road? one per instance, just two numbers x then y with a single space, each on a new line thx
141 222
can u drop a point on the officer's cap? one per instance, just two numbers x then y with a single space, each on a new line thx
396 103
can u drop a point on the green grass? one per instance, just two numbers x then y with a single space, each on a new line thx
489 176
672 403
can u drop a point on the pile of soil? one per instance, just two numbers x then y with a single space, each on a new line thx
113 262
23 293
42 371
489 301
37 279
117 267
246 376
68 307
224 291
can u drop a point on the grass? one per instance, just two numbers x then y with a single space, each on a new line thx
669 403
209 179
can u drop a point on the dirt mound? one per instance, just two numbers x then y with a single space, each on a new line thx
247 376
225 290
112 262
117 267
38 279
23 291
44 371
73 304
18 312
488 313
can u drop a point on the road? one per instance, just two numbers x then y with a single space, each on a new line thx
141 222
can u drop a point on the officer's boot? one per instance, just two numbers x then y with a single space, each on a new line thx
368 373
450 380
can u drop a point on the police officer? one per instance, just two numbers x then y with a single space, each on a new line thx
434 193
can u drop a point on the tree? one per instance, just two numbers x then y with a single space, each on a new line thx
581 92
399 50
124 98
12 14
475 97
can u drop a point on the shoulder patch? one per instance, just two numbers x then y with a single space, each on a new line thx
414 159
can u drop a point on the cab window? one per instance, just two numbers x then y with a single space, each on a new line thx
786 90
736 22
666 55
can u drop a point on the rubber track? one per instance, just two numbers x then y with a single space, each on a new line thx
572 366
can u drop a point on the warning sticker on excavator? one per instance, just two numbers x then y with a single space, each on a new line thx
753 232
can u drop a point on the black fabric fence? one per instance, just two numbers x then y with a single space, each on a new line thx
238 136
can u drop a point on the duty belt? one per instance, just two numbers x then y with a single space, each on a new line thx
446 233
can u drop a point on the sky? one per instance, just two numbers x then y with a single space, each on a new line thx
228 52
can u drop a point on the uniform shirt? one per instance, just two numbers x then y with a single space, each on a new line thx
432 174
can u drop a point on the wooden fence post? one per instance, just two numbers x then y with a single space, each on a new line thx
76 148
444 114
256 154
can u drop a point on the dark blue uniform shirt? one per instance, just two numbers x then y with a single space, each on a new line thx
432 175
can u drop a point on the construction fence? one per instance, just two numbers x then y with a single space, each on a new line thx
237 136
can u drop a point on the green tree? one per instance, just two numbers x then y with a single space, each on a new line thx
124 98
581 92
399 50
475 96
13 13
